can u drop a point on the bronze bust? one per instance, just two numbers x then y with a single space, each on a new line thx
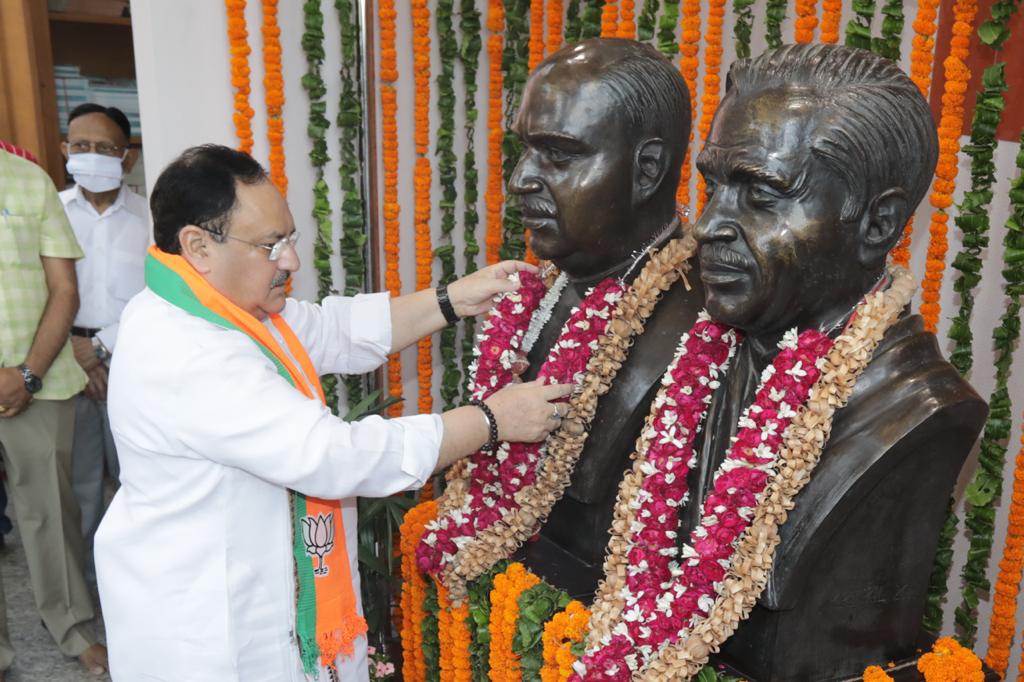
605 125
816 158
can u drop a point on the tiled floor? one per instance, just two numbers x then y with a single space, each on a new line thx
37 658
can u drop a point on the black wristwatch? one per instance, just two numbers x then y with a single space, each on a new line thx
33 384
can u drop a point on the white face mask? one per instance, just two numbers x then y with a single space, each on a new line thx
95 172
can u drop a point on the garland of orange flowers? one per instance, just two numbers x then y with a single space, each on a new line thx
556 14
921 57
504 612
806 21
273 87
536 33
689 45
610 19
951 124
565 629
414 587
949 661
627 20
455 639
831 17
238 39
389 156
421 187
712 67
875 673
494 197
1004 603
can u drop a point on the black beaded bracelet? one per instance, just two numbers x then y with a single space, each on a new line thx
492 424
447 309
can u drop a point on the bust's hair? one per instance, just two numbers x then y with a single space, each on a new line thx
647 88
884 134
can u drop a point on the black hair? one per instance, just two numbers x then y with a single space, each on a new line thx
883 134
113 113
198 188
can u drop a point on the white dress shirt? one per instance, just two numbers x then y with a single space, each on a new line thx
115 244
194 556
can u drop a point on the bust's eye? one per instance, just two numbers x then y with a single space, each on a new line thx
556 155
761 194
709 189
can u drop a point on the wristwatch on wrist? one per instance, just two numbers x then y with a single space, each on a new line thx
33 384
101 351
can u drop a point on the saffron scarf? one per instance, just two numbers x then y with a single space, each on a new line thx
326 619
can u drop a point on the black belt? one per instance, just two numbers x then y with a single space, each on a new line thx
84 331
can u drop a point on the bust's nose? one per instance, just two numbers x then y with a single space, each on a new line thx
524 179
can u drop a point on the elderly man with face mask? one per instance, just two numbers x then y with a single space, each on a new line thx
229 552
111 223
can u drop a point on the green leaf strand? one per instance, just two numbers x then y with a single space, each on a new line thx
536 607
469 56
514 64
743 10
775 15
668 44
888 45
858 29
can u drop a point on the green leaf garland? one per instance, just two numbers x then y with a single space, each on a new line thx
469 55
536 607
353 205
888 45
743 10
591 25
995 31
446 166
939 579
479 599
645 21
316 129
986 488
573 22
973 210
431 632
774 16
668 44
858 29
514 64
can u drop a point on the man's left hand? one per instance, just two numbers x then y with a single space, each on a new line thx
14 397
473 294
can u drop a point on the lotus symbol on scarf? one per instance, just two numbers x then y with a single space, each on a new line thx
318 534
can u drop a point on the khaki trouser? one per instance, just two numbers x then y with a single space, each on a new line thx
92 453
36 449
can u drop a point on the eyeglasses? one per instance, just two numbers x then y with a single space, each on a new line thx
104 148
275 250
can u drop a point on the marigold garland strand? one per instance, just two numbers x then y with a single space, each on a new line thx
986 487
610 19
950 125
806 21
421 187
238 39
689 46
389 157
555 13
627 22
273 85
563 639
709 96
494 197
536 33
831 17
504 613
414 587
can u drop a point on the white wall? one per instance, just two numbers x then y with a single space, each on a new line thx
184 87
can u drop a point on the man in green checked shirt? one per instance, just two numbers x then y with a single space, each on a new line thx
38 378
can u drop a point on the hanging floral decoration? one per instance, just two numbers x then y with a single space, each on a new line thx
950 124
662 609
858 29
775 15
875 673
238 39
986 487
495 195
469 56
645 22
273 85
515 60
712 82
444 153
536 44
504 613
888 45
563 641
806 21
536 607
743 11
627 20
389 161
689 46
610 19
555 14
479 605
414 589
948 660
831 16
421 188
573 22
667 23
592 22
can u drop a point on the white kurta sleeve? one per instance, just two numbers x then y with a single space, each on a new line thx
233 407
343 335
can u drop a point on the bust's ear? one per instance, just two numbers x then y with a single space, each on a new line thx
649 169
882 224
193 242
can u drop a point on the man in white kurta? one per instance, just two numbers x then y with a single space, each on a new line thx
210 437
194 557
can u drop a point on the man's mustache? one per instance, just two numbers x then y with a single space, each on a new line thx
536 207
718 254
280 279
